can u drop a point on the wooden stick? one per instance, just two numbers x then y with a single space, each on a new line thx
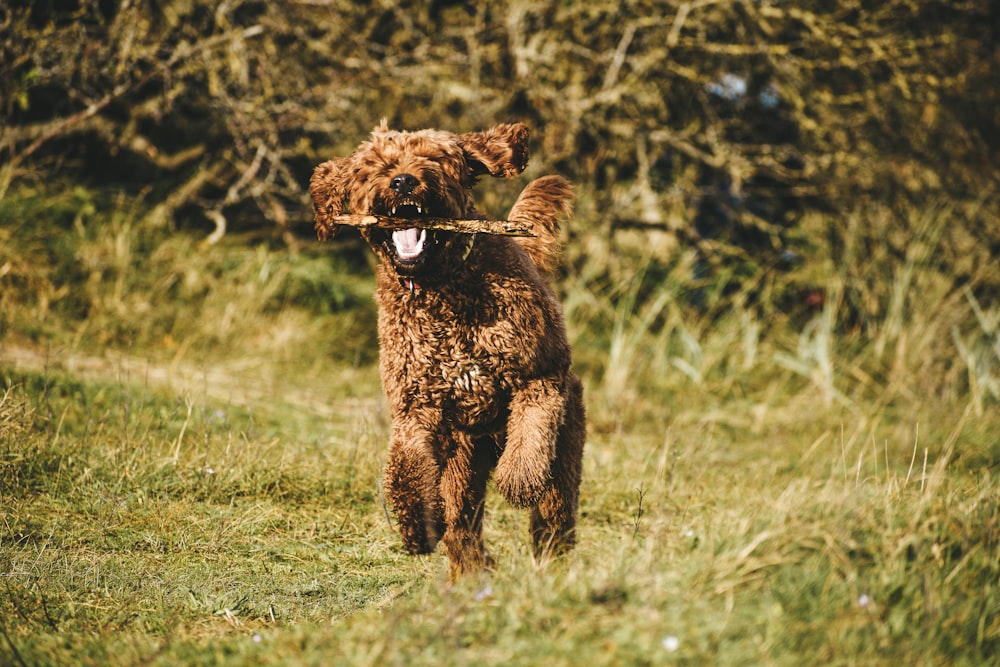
501 227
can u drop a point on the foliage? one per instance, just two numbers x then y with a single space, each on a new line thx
756 132
174 528
781 289
118 282
200 485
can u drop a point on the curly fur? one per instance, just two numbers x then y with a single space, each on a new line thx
474 359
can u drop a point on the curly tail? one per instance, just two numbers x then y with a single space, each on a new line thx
542 203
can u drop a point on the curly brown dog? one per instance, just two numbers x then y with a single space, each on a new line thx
474 359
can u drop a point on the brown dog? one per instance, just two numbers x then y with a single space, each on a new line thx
474 359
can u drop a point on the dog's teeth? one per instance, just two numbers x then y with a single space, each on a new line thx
419 210
393 212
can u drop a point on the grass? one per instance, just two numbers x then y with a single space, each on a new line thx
191 441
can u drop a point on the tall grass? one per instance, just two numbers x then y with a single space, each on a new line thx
191 441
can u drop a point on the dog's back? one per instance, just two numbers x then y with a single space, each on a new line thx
543 202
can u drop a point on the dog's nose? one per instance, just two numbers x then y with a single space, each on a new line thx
404 184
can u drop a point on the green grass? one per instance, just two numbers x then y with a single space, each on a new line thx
191 441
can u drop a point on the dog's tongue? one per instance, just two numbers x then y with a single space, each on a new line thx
409 242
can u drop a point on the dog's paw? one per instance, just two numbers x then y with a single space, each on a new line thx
522 476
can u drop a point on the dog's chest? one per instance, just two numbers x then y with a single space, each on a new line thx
452 358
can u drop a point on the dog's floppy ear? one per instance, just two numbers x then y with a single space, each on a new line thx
328 189
501 151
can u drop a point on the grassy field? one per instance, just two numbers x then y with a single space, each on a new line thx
191 440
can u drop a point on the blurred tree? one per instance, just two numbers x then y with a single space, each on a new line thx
725 124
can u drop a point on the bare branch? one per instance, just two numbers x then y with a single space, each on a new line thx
498 227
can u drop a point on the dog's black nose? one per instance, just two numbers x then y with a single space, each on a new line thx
404 184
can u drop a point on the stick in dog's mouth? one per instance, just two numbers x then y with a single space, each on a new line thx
498 227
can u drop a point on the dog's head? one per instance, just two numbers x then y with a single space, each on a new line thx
414 175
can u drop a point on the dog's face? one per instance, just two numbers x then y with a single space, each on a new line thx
414 175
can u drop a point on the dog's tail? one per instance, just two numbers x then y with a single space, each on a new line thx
542 203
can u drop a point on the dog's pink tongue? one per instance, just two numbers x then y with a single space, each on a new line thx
409 242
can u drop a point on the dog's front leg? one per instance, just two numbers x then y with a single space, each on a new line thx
463 488
412 479
553 521
525 467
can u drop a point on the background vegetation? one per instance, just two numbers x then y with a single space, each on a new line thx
781 282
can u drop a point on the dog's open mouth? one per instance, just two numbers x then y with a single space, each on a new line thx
407 208
409 243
